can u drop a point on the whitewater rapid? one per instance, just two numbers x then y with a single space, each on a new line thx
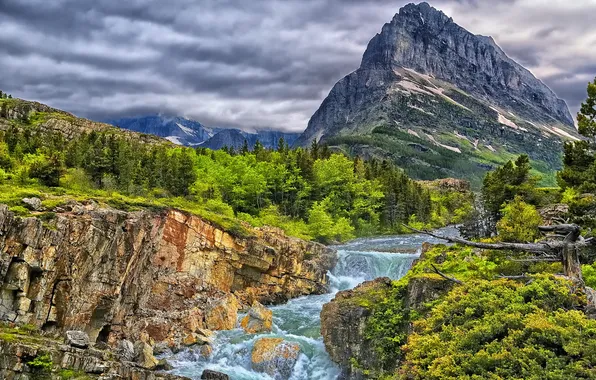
299 319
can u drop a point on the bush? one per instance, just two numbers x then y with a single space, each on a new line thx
47 170
504 330
519 223
41 366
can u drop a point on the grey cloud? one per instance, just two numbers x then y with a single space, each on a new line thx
263 63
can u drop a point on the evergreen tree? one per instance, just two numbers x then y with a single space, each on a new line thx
244 149
507 181
282 146
579 160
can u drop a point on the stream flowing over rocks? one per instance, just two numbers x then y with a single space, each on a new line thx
294 348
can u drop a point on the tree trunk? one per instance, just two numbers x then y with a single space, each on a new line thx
571 265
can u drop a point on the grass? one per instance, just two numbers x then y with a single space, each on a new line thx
12 194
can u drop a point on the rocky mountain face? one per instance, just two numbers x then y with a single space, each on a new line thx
235 138
428 88
178 130
188 132
48 119
164 278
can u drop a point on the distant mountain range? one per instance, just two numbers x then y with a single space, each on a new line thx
441 102
188 132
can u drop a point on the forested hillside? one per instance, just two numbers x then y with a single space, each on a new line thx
311 193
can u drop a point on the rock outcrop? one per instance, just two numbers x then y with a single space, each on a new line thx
145 276
213 375
258 319
427 86
275 357
34 357
57 121
343 325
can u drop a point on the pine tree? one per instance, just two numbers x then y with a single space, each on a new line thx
579 160
244 150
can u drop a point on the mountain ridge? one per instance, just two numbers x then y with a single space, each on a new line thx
426 85
184 131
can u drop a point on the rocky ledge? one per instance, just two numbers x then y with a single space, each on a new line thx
162 278
26 354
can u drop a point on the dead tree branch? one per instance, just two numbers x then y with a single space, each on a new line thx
527 247
445 276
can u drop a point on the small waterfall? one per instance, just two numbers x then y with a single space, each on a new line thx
299 319
355 267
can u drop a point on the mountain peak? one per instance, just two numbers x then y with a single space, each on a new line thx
420 9
428 88
426 40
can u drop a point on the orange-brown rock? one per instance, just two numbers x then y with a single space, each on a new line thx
258 319
275 357
154 277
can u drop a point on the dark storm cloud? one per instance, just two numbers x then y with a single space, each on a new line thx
246 64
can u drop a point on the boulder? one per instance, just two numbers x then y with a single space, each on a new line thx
163 365
76 338
259 319
223 313
214 375
206 350
33 204
144 356
275 357
195 338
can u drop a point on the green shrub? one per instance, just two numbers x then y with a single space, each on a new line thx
503 330
41 365
520 222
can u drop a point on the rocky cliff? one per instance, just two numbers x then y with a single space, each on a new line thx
145 276
428 89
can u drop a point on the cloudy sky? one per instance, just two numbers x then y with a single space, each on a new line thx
257 63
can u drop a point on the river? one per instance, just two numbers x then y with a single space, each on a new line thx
299 319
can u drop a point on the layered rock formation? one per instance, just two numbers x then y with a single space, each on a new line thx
428 87
32 357
145 276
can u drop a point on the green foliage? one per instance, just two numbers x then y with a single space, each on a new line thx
578 176
520 222
48 170
387 325
508 181
41 364
310 193
503 330
586 119
70 374
589 275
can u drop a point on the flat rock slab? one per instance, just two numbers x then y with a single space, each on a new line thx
76 338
